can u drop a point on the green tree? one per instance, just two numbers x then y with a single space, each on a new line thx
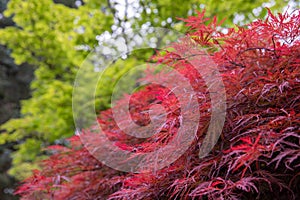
55 39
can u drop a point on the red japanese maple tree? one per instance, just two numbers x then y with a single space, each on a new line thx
257 155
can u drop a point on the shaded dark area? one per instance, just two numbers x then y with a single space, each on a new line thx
7 183
14 86
4 21
69 3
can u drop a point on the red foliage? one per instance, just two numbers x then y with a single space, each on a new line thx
257 155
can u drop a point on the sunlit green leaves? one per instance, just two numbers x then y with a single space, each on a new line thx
47 36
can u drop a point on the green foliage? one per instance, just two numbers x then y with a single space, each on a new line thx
49 36
27 152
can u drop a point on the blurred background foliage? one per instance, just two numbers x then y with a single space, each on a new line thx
55 36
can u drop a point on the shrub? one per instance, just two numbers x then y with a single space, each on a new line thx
257 155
